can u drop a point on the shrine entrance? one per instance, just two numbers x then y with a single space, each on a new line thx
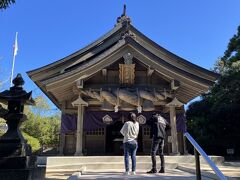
114 139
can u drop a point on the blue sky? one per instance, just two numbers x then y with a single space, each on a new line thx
198 31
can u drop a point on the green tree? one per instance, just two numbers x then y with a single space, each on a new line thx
41 109
40 125
6 3
214 121
2 111
34 142
2 124
230 62
45 129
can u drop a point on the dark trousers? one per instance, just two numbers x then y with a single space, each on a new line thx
157 144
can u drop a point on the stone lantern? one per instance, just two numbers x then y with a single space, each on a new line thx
14 150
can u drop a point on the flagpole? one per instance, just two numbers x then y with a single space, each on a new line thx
13 62
15 49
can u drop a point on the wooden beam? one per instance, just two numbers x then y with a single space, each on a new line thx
79 83
71 111
175 84
171 74
165 110
149 71
75 90
104 72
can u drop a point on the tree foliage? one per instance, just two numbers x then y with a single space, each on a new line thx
6 3
41 126
230 62
45 129
2 124
41 109
2 121
215 120
34 142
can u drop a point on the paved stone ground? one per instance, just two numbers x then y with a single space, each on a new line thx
170 174
230 169
233 172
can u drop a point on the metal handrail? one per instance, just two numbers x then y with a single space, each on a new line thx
205 156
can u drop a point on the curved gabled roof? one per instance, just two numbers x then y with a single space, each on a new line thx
175 59
78 53
96 55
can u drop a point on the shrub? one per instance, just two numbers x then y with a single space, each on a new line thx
32 141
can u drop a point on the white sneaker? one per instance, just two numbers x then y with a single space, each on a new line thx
133 172
126 173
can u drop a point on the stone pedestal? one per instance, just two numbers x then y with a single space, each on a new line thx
16 168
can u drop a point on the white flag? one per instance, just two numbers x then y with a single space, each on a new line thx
15 46
15 50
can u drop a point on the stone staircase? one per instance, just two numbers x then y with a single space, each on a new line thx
112 163
107 167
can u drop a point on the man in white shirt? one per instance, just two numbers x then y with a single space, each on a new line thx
130 132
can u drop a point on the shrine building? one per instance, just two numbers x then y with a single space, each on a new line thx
123 71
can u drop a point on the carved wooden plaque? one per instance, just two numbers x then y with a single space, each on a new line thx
126 73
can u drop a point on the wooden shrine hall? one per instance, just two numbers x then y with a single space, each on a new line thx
96 87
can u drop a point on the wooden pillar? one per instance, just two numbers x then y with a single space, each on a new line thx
62 144
80 103
79 134
185 151
173 130
173 121
62 135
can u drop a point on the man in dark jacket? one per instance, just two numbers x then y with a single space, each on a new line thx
158 129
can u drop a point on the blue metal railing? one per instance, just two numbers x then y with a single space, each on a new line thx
198 150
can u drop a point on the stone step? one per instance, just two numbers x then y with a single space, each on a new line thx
69 160
173 174
104 167
108 163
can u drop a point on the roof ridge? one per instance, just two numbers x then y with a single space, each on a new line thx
124 19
